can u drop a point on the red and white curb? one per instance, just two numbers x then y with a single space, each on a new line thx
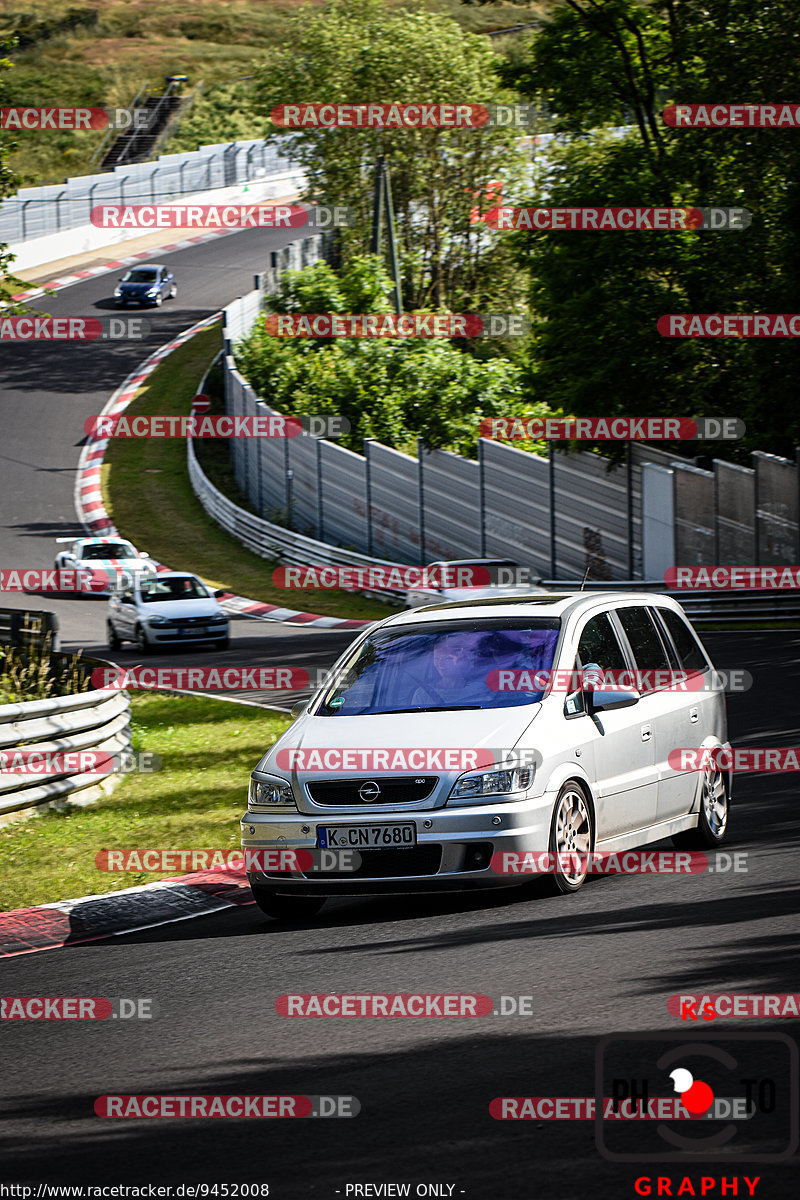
94 518
113 914
65 281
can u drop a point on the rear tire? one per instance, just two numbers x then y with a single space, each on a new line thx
571 832
713 824
286 908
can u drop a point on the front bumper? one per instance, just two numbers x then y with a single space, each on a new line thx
164 635
453 852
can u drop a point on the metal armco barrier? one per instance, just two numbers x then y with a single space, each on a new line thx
98 720
27 628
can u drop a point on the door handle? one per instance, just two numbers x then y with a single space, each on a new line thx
694 715
647 733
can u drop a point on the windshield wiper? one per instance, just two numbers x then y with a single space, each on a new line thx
386 712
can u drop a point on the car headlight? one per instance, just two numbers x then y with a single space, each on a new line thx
118 291
157 621
271 793
153 291
491 785
218 620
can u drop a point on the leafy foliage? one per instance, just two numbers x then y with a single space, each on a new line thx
598 296
390 389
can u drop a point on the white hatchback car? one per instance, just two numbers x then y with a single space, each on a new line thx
164 609
573 758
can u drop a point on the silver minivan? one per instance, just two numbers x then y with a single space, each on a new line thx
448 736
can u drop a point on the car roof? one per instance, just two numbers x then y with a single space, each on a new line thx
173 575
101 541
551 604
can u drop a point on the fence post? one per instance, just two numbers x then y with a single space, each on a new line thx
320 512
368 491
629 514
420 452
757 539
551 456
482 495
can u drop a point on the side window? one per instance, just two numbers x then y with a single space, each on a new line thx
687 645
598 644
646 644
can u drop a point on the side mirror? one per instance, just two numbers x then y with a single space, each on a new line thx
143 554
298 709
607 699
219 593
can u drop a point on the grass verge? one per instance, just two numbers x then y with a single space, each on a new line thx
148 495
208 749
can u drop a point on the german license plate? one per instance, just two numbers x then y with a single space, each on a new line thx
364 837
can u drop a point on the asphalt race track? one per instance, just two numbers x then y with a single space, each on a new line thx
602 962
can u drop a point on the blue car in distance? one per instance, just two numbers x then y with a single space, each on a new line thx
151 284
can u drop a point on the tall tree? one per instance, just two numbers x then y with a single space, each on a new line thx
360 51
596 350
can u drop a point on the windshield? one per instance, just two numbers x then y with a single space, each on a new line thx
140 275
109 550
157 591
445 666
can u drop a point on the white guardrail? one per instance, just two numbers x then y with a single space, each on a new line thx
96 720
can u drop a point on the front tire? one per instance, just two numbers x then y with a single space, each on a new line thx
286 908
114 641
142 644
571 832
713 823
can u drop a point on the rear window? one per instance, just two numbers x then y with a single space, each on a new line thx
441 666
689 649
644 640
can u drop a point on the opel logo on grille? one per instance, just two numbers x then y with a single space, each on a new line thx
369 792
